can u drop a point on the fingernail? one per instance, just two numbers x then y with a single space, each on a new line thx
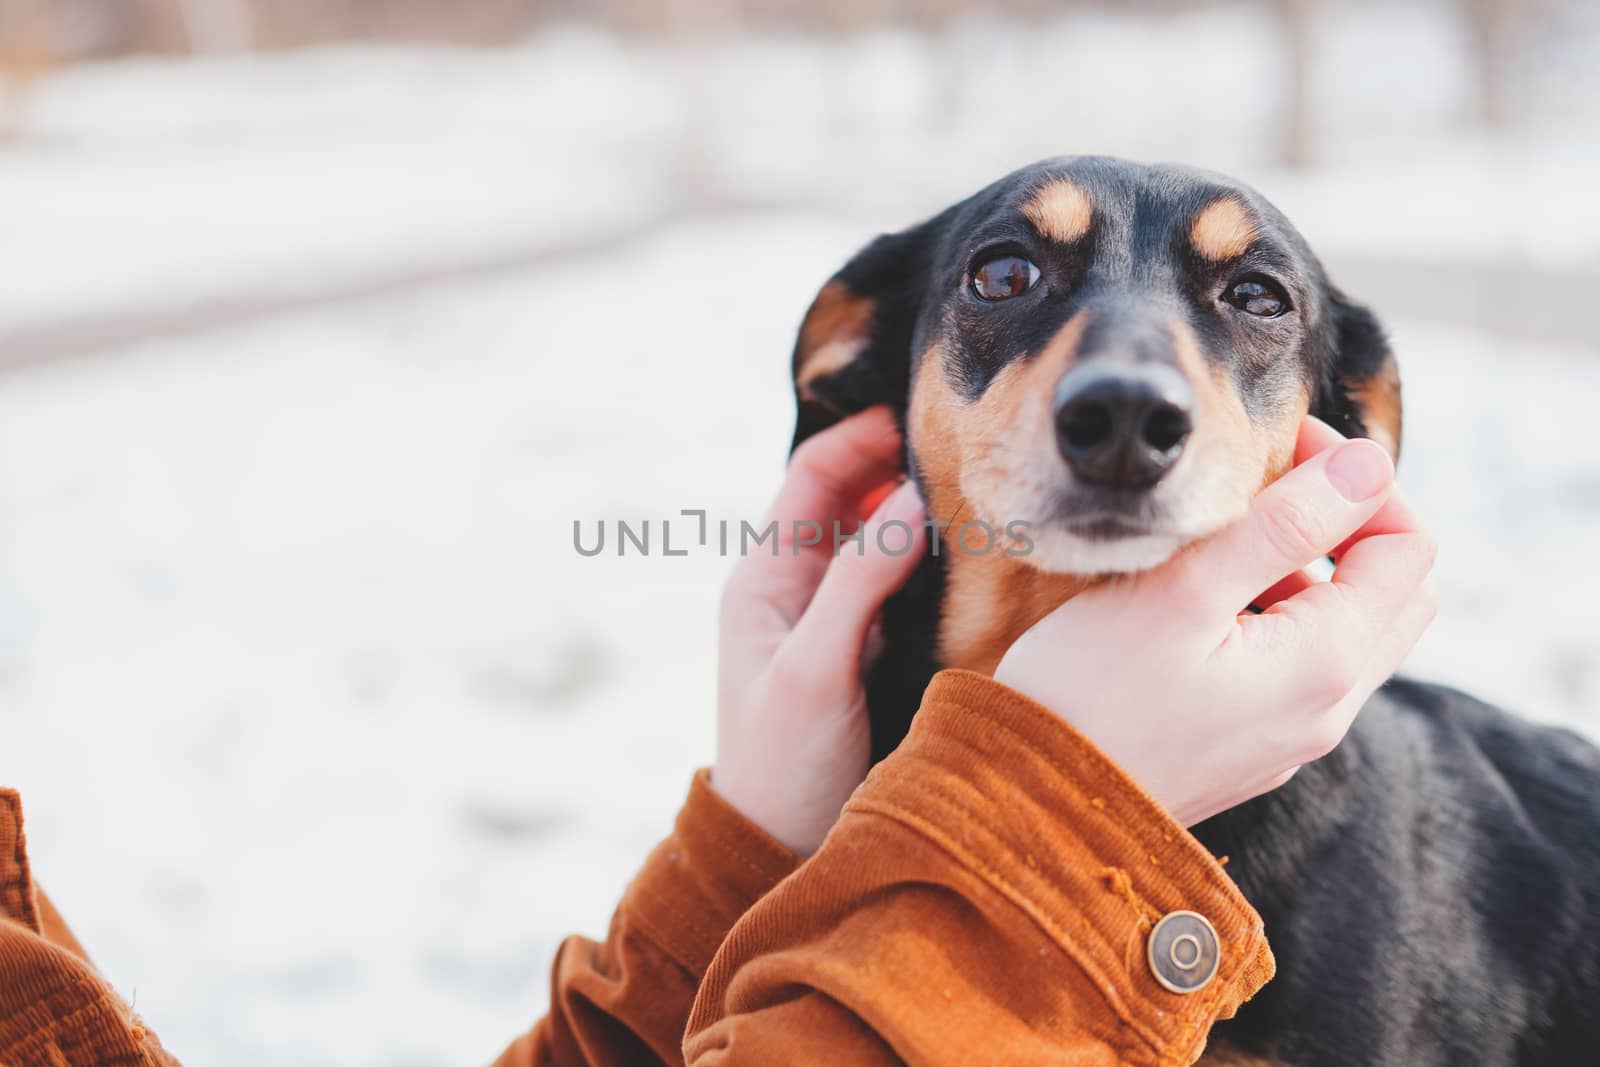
1360 470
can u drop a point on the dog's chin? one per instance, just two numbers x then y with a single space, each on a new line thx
1058 550
1116 544
1096 533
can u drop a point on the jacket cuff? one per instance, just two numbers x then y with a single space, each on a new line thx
18 901
1033 807
704 876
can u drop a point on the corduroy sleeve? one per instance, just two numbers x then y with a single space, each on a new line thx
987 897
55 1008
623 1002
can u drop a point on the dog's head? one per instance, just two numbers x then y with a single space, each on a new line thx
1116 355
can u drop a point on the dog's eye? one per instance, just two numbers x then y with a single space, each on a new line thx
1003 277
1258 296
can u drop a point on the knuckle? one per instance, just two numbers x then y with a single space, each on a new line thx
806 456
1345 675
1320 740
736 587
1427 549
1323 692
1332 681
1293 530
787 673
1430 598
815 460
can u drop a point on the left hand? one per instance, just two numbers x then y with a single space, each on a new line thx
793 737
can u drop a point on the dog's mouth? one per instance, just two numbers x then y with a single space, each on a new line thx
1093 530
1106 527
1084 520
1099 514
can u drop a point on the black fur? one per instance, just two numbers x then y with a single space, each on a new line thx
887 271
1431 889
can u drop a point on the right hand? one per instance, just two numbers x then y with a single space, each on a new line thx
798 635
1206 706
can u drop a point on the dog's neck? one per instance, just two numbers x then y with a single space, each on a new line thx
990 601
953 612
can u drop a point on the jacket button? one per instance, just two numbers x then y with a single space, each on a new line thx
1183 952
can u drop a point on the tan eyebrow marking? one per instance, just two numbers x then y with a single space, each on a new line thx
1059 210
1223 230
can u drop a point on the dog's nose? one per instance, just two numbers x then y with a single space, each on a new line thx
1123 426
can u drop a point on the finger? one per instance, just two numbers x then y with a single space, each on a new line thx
1381 575
1394 644
831 473
1376 666
1296 520
1315 438
1352 631
1401 637
861 577
828 477
1283 589
870 502
1396 515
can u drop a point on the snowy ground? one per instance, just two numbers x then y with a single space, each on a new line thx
326 733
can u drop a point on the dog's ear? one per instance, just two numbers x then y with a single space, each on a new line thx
1361 394
854 348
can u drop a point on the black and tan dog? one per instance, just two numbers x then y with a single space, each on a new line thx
1119 355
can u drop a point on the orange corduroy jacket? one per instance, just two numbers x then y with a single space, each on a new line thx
997 891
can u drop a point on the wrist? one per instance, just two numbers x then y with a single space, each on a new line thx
799 823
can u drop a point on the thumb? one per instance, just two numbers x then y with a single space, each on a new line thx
1298 519
862 575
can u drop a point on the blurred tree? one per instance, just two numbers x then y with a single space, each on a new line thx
1297 128
697 27
217 25
1492 29
26 52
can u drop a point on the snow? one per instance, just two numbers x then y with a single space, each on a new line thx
326 733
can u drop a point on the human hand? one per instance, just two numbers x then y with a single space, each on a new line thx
797 630
1207 706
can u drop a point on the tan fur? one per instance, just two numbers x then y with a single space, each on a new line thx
1060 211
993 599
994 457
1223 230
1379 400
982 449
1242 456
836 330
